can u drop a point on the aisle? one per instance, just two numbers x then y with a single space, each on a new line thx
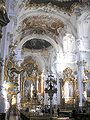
12 114
13 117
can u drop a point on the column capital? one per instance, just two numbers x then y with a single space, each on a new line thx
81 63
78 41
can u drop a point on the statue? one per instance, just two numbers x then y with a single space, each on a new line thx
3 16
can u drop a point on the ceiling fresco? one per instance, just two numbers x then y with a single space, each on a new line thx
42 24
36 44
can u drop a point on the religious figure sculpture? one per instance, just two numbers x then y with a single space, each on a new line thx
3 16
68 85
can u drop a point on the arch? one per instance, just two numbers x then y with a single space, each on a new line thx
38 58
44 37
54 14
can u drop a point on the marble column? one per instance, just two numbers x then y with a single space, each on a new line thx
83 49
80 73
3 22
18 95
19 60
2 72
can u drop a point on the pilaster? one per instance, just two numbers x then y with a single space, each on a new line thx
80 73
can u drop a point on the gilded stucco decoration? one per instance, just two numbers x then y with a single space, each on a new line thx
11 71
69 86
2 5
29 65
87 72
67 73
11 79
86 84
29 76
8 65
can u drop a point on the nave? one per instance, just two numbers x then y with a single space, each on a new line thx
45 57
12 117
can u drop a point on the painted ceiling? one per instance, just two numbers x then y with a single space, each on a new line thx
43 24
36 44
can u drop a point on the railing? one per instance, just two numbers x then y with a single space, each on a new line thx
26 117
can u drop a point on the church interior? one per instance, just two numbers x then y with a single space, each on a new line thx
45 59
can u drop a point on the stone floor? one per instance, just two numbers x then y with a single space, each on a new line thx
12 117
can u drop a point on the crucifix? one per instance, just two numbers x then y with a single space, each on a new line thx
51 82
